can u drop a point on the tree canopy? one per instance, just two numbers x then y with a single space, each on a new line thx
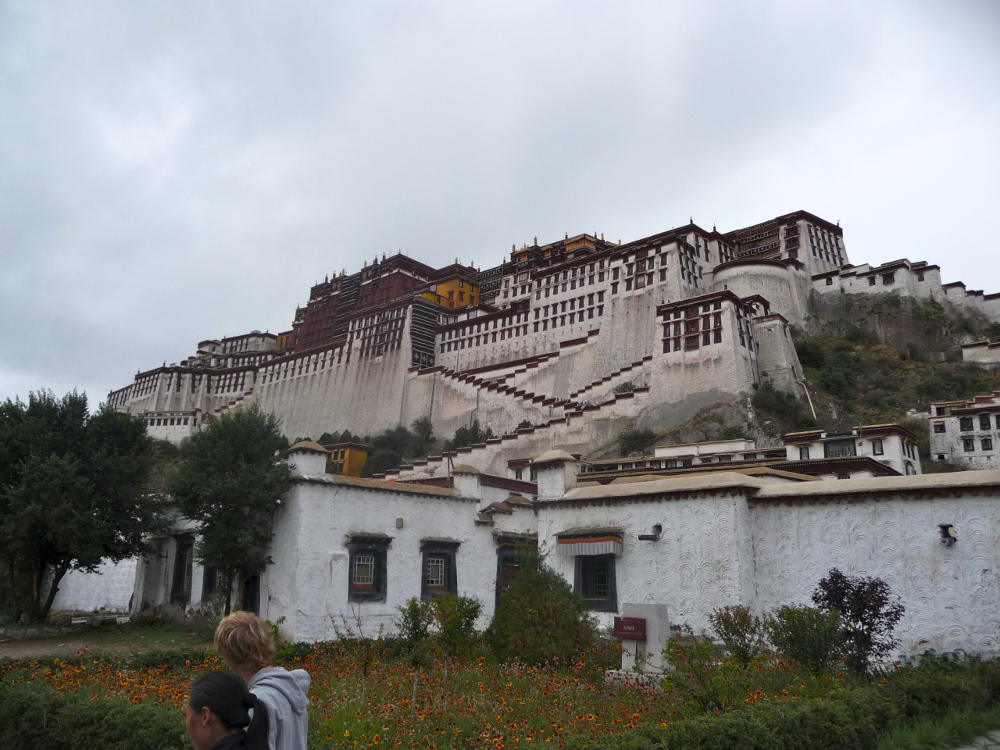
230 481
73 492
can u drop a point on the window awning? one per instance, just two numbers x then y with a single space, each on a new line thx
573 542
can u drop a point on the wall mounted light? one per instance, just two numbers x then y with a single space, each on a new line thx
948 534
657 530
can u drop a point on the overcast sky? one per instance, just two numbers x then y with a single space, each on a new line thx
174 171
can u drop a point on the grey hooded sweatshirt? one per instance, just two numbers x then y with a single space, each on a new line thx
284 694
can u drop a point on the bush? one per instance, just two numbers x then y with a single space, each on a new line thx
806 635
783 408
869 612
540 618
35 716
624 388
455 619
697 673
635 441
741 631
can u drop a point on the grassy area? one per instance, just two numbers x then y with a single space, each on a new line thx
476 702
947 730
113 638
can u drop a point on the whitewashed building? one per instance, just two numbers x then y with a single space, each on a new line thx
967 433
347 549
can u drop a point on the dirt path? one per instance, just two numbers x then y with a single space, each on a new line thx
104 640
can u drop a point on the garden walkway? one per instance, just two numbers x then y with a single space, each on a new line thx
990 741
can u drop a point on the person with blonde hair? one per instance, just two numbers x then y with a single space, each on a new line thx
244 642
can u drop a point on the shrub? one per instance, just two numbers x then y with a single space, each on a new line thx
540 618
741 631
697 674
455 619
635 441
624 388
35 716
789 412
869 612
806 635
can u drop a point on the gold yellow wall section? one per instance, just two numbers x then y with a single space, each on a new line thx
453 293
347 460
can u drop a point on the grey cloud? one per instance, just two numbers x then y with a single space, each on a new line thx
173 171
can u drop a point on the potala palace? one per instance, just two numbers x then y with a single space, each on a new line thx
690 317
536 349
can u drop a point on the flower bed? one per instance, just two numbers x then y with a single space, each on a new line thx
481 704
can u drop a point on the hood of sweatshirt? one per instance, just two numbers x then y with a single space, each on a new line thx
293 685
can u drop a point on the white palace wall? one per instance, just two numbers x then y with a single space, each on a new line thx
308 582
708 540
109 589
951 593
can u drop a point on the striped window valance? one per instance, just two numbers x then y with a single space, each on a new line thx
575 542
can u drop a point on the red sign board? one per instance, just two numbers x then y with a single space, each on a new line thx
630 628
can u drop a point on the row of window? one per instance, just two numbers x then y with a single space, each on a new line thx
314 363
485 338
966 424
594 575
571 304
969 444
166 421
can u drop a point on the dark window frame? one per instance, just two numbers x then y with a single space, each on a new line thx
377 546
447 552
585 567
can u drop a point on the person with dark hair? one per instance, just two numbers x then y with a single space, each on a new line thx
218 711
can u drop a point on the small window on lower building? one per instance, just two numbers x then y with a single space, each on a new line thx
888 278
829 281
594 580
987 444
968 445
803 452
965 424
871 281
877 447
438 570
940 457
843 475
984 421
366 573
939 427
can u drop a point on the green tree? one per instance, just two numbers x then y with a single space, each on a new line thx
635 441
470 435
73 492
455 619
413 630
540 618
869 613
230 481
807 635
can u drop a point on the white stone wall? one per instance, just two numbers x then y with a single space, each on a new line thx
107 590
701 561
951 593
308 582
785 286
982 352
777 360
